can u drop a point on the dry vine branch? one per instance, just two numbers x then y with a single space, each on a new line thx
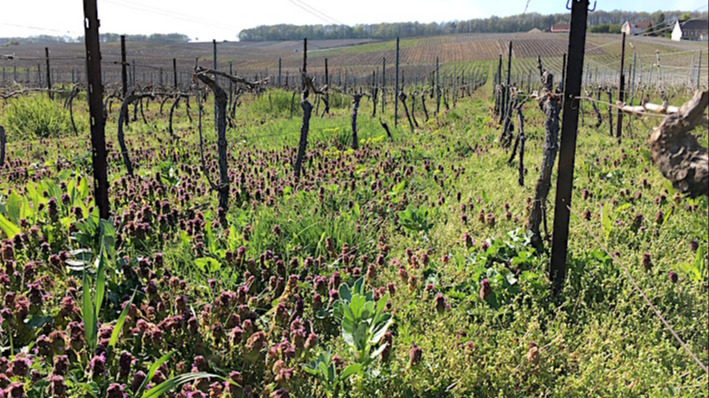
131 97
212 185
306 86
233 78
550 103
677 153
172 111
402 98
69 104
220 97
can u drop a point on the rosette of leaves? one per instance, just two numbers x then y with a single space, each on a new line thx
363 321
415 220
331 378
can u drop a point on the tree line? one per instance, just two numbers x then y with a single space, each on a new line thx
607 22
105 38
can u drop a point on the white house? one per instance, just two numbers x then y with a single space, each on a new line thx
693 29
636 28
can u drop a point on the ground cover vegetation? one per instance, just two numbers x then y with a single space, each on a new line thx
402 268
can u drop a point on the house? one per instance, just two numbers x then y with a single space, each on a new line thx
636 28
560 28
692 29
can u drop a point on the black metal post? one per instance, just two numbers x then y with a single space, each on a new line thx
49 78
124 72
396 85
621 89
564 184
214 45
384 83
95 98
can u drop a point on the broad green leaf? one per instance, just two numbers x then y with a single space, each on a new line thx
361 336
323 368
177 381
26 211
350 370
108 236
88 314
357 305
151 373
8 227
367 310
207 264
345 293
100 281
380 329
606 220
13 207
331 373
381 304
233 238
32 194
38 321
622 207
83 188
378 351
348 337
359 286
119 323
348 317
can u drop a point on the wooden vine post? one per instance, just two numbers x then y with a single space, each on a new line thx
699 71
506 113
216 111
49 74
307 110
522 140
396 84
326 98
124 72
3 141
438 90
95 98
621 90
610 111
550 104
375 92
124 77
564 184
355 106
498 87
384 83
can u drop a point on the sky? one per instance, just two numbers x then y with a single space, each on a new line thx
204 20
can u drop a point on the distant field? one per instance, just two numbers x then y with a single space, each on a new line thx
359 58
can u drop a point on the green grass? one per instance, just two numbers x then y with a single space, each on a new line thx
599 339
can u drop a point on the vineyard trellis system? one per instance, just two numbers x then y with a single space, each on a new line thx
445 86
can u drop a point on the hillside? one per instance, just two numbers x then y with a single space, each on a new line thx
359 58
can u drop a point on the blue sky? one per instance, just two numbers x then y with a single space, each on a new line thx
222 20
